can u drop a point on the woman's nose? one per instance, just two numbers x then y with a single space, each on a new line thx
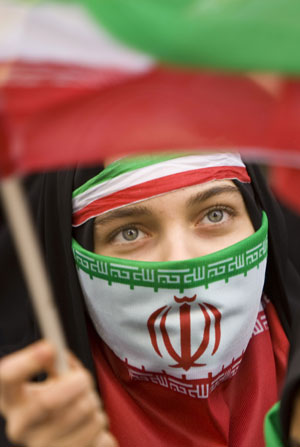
177 245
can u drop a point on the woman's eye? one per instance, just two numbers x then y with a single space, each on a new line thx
130 234
215 216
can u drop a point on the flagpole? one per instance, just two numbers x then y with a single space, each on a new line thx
32 263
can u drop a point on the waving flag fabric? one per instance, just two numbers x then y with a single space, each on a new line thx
161 110
71 93
52 55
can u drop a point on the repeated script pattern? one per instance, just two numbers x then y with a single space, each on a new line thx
190 277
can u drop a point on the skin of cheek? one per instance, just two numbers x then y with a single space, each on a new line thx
195 245
243 228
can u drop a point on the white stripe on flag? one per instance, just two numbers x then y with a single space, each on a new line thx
63 34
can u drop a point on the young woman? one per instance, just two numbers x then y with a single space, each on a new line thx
174 302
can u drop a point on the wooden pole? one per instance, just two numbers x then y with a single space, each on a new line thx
28 249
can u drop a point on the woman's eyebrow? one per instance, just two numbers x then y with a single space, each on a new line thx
127 211
211 192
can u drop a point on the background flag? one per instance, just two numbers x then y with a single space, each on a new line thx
52 56
71 93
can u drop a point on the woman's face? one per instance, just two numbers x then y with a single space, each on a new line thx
182 224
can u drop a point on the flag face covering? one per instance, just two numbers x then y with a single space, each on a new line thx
185 323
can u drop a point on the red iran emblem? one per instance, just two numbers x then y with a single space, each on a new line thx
186 359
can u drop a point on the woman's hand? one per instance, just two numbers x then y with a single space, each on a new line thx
295 423
62 411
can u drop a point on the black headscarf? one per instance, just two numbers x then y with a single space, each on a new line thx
50 199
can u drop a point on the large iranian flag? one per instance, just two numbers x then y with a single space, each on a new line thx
72 93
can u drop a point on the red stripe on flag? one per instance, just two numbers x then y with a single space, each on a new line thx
155 187
164 109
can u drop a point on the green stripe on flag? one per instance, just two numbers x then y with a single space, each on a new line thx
272 427
230 34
